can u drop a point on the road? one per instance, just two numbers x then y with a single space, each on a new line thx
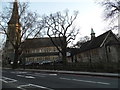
25 80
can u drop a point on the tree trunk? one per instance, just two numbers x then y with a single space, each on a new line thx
64 57
15 62
64 50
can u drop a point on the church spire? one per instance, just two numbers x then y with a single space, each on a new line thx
14 26
92 34
15 15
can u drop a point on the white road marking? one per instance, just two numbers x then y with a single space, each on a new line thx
26 76
86 81
29 77
20 76
53 74
36 75
33 85
46 74
4 79
18 72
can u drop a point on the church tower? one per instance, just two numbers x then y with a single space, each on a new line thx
14 26
13 33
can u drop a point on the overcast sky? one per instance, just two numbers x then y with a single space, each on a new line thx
90 13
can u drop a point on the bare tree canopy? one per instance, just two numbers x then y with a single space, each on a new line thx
61 25
111 11
81 41
29 22
112 7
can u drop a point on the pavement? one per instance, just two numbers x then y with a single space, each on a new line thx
115 75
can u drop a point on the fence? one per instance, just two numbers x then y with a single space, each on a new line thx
89 67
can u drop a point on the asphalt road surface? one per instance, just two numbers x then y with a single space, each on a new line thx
23 80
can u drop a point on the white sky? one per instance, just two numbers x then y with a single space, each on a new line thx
90 13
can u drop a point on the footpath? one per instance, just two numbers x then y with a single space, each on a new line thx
78 73
115 75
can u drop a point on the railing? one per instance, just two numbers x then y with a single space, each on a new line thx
96 67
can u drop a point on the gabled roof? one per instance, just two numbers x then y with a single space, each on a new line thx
39 42
96 42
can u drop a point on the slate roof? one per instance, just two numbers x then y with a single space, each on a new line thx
40 42
96 42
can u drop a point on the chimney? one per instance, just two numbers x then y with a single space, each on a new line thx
92 34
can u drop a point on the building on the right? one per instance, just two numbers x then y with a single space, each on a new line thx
104 48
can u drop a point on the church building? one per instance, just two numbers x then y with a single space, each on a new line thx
104 48
34 49
13 35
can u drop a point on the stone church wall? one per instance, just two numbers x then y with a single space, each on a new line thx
109 54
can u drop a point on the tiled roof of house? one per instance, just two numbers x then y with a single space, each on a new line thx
40 42
96 42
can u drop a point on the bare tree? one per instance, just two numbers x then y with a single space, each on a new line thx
61 26
30 26
111 11
81 41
